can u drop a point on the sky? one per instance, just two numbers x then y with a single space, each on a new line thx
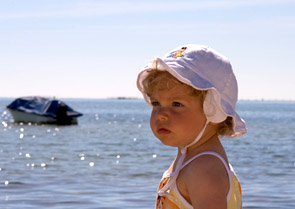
95 49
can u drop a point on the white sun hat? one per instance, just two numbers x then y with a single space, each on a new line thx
204 69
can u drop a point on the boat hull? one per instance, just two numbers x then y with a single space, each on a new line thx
24 117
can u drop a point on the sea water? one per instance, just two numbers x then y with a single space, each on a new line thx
112 160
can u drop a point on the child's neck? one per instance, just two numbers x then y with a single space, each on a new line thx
207 143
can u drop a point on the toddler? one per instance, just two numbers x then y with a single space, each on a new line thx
193 92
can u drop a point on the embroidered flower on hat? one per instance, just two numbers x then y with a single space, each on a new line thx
178 53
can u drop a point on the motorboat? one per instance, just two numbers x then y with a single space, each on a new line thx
36 109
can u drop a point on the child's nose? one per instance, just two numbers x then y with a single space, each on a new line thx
162 114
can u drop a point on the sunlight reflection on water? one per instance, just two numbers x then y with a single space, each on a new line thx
112 160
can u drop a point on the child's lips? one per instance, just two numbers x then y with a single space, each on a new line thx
163 131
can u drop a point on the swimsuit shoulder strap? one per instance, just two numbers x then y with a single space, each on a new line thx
229 172
208 153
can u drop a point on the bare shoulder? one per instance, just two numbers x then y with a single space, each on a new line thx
206 164
206 182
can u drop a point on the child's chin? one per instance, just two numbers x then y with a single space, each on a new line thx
168 143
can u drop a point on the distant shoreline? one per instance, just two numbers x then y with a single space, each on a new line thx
138 98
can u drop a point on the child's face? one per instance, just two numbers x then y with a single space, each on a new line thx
177 116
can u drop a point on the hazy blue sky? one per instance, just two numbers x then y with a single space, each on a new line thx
95 49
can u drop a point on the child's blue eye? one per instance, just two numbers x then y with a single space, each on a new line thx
155 103
177 104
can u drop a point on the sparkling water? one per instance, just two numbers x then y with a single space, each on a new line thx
112 160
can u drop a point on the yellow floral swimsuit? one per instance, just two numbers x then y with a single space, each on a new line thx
174 200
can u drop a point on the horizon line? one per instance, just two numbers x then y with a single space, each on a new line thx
140 98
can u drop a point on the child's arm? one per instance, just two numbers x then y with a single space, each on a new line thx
207 183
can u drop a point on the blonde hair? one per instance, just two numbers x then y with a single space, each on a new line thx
225 128
163 80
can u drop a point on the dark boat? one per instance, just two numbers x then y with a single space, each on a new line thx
42 110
